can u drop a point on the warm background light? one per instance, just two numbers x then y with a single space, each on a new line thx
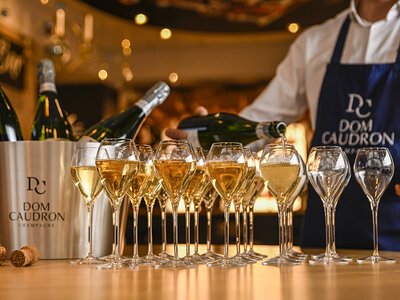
293 27
173 77
127 51
127 72
125 43
140 19
165 34
44 2
103 74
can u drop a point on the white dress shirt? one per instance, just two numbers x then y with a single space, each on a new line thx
297 83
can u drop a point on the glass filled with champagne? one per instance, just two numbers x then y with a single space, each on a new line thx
327 170
117 164
374 169
175 164
226 168
281 169
87 180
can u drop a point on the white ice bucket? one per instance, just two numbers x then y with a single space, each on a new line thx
40 206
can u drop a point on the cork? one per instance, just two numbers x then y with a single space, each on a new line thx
25 256
3 254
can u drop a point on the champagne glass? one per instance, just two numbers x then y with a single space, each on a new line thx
193 195
290 253
251 169
374 169
255 190
175 164
117 164
209 196
281 169
226 168
327 170
86 179
162 201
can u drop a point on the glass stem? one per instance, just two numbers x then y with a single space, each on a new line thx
175 231
116 232
150 229
375 228
251 227
164 229
90 227
333 230
245 233
196 229
290 227
281 216
226 232
113 223
187 221
209 220
237 225
135 231
327 212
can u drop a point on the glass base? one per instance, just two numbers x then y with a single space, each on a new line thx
176 263
211 255
255 255
279 261
109 257
165 256
294 254
152 259
245 259
373 259
119 264
329 260
88 260
199 259
333 256
226 263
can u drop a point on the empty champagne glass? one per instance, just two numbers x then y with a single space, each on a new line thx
374 169
209 196
281 169
175 164
117 164
87 180
238 198
193 195
162 201
226 169
327 169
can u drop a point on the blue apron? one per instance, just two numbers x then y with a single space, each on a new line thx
359 106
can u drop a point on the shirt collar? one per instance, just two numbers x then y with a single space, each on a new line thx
393 13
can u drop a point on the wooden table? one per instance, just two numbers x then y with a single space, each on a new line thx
58 279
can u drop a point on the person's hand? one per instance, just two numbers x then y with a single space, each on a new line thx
178 134
397 189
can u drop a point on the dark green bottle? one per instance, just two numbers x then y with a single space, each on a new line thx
225 127
128 123
50 120
10 130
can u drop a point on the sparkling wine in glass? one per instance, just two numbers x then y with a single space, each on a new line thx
117 164
281 169
328 172
374 169
226 168
87 180
175 164
193 195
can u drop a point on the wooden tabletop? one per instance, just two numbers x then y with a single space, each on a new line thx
58 279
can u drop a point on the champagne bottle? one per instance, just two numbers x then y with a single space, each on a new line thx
128 123
10 130
225 127
50 119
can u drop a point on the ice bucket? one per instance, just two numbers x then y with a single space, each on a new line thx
40 206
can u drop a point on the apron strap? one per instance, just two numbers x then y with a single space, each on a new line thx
337 53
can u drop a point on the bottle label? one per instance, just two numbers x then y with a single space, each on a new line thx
193 137
47 87
147 107
260 131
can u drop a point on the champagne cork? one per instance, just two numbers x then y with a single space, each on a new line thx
25 256
3 254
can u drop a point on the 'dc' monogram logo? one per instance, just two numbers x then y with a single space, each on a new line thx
356 103
36 185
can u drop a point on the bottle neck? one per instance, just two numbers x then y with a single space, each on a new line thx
145 106
47 87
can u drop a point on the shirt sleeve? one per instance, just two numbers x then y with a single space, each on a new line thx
284 98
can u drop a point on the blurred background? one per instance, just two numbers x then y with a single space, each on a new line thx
217 53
